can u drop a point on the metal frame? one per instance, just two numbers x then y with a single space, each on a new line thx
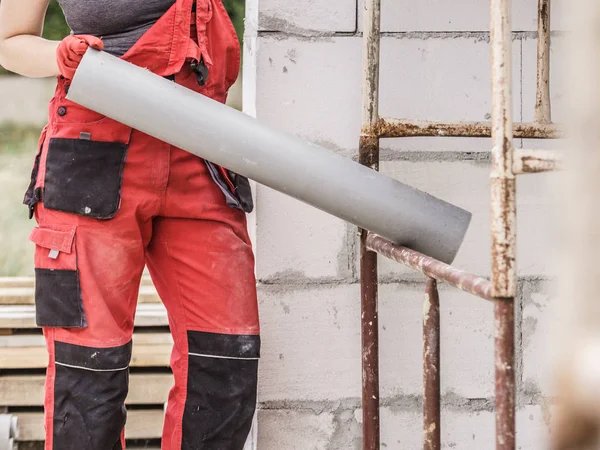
506 163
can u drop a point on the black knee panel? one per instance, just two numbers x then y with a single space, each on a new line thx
221 390
89 396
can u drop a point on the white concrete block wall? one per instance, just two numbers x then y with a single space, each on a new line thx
303 77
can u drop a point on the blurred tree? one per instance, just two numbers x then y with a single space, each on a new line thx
55 27
236 10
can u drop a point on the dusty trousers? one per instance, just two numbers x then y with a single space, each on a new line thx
108 201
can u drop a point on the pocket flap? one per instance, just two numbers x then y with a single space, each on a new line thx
54 239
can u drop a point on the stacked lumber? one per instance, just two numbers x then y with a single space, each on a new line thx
23 359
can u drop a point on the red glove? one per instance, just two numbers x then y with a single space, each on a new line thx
70 52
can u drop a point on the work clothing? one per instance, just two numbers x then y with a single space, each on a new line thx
120 23
71 50
108 199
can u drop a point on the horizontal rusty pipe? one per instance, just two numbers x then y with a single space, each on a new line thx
534 161
397 128
431 267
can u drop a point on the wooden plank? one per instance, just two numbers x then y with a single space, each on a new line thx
20 291
6 282
23 316
141 424
28 390
149 350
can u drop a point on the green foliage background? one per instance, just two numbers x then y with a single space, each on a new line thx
56 28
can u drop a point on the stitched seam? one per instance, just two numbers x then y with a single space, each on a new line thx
72 366
222 357
181 311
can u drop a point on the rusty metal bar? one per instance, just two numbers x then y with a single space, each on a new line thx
542 101
397 128
431 267
504 337
431 368
503 228
369 156
504 278
535 161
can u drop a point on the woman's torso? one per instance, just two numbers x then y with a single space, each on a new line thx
117 22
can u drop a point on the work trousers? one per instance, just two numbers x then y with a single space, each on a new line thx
109 200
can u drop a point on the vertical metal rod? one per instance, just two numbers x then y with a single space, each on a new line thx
542 102
503 226
504 313
502 178
431 367
369 156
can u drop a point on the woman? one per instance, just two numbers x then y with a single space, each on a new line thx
109 199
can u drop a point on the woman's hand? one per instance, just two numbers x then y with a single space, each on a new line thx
71 50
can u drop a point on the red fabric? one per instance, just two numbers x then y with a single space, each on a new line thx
71 50
172 216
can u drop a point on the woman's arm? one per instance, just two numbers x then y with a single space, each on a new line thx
22 49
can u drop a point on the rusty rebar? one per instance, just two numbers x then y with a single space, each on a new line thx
504 338
370 346
369 156
503 227
542 102
504 279
431 367
431 267
398 128
535 161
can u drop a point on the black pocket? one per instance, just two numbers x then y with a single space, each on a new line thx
58 299
84 177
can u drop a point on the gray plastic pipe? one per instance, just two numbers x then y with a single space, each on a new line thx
330 182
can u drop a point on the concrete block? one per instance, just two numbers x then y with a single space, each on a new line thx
25 100
541 320
466 342
307 17
294 430
457 16
296 241
310 342
439 79
466 184
462 429
313 88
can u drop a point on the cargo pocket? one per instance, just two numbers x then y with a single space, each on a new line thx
84 175
58 301
234 187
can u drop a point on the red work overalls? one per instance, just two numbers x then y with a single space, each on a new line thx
109 199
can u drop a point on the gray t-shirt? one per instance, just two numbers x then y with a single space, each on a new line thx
117 22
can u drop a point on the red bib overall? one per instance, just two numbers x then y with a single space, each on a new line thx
109 200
